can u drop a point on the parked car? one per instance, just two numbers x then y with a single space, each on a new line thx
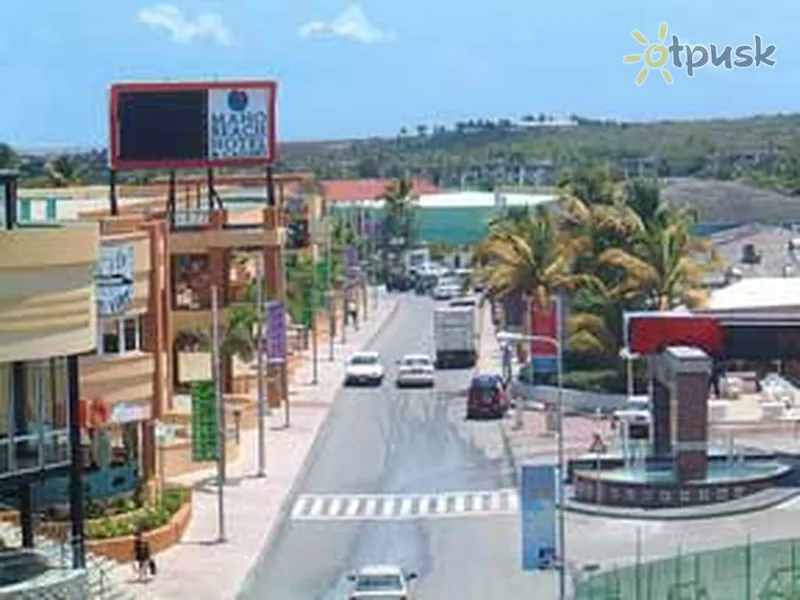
364 368
487 398
381 581
415 370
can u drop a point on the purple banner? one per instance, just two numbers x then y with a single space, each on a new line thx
351 263
276 332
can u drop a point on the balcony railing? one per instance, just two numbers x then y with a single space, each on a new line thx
187 218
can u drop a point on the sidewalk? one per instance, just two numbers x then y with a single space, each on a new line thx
201 568
531 443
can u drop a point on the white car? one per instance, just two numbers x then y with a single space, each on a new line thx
364 368
415 369
445 291
381 581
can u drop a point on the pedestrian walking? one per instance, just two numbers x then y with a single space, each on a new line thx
352 312
144 565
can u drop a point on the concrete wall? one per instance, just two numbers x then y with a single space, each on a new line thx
574 400
47 294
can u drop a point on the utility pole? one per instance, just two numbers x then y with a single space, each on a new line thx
329 288
217 374
262 384
313 301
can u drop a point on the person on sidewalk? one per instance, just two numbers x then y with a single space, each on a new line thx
143 562
352 312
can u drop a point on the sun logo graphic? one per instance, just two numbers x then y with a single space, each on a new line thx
655 57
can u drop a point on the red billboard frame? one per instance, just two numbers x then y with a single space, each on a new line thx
123 165
544 323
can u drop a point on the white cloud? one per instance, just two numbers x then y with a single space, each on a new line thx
352 24
182 29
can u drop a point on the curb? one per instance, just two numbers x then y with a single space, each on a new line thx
313 451
508 450
687 516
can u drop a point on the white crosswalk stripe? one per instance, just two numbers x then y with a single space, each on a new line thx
354 507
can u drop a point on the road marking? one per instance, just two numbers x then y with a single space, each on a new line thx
342 507
369 507
388 507
335 506
352 507
316 507
405 507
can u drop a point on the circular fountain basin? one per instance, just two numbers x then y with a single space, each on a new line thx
658 486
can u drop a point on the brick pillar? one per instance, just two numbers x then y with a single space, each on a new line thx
277 390
662 438
690 369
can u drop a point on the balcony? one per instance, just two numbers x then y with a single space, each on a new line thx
201 229
47 291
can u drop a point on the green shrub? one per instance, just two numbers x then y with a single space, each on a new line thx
147 518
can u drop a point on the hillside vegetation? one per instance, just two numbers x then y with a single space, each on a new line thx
764 149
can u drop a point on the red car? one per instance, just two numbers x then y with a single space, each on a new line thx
487 398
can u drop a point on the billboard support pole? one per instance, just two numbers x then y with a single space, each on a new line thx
211 192
220 416
112 192
171 199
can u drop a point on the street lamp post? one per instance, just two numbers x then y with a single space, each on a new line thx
562 535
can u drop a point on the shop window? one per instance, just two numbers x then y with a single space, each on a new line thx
110 340
132 334
120 335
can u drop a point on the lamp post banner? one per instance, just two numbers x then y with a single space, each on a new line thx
538 511
275 332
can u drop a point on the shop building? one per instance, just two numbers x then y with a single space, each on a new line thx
47 320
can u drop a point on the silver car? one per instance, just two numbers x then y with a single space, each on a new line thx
415 370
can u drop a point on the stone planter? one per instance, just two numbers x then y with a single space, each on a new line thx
121 549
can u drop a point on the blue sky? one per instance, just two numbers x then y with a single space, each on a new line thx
352 69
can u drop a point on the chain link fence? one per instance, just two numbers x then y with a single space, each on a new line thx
753 571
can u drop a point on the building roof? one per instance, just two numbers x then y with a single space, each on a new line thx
730 201
481 199
757 293
344 190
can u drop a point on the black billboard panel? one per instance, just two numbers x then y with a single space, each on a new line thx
192 125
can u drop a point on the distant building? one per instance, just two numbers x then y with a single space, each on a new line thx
754 250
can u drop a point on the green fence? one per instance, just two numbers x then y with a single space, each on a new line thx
763 571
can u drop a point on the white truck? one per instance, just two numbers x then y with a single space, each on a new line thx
455 337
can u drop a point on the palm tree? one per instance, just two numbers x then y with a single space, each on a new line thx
65 171
299 289
528 257
240 336
663 266
398 226
595 324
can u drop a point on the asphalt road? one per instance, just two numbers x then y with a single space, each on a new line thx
401 443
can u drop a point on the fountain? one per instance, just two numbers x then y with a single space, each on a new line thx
677 466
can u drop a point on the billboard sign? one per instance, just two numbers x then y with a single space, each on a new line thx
538 492
191 125
544 323
113 278
275 332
